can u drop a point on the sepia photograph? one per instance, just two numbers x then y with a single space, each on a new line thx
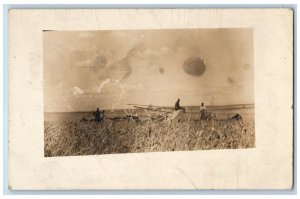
150 99
129 91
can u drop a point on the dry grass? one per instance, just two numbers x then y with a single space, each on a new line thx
109 137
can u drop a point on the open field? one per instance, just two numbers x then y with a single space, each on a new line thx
68 138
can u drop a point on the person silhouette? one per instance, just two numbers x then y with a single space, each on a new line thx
177 106
97 115
203 113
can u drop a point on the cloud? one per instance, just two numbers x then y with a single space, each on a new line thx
114 88
118 70
89 62
77 91
101 86
140 51
97 64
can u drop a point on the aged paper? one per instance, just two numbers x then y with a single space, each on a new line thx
267 164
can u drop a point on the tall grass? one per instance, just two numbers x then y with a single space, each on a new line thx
109 137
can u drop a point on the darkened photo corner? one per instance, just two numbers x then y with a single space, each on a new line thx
129 91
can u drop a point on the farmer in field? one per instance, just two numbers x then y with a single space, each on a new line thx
97 114
203 112
177 106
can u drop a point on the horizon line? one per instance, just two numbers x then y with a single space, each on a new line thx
149 105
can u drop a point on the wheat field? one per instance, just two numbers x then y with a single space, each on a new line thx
67 138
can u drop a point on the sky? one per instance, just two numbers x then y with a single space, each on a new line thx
109 69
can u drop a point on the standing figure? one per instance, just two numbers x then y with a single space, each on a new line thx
177 105
203 112
97 114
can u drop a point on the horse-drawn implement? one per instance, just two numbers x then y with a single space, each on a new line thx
139 112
